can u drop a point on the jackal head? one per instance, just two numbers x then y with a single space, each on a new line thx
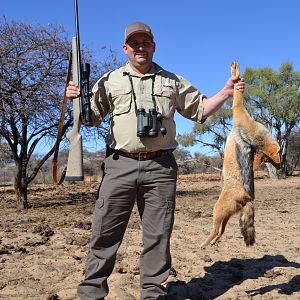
271 154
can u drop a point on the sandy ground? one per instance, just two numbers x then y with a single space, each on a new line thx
43 250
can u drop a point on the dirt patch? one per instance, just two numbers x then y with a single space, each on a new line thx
43 249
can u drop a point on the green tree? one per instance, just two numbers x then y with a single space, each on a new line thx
33 67
212 133
274 100
181 154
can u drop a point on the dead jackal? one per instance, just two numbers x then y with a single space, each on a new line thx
249 144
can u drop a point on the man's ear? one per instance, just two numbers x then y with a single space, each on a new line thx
125 48
154 47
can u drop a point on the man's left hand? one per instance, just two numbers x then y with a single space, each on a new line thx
235 82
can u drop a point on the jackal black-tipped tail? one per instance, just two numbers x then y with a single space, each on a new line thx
247 223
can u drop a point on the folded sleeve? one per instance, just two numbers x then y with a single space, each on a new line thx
189 100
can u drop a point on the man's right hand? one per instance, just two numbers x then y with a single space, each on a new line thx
72 90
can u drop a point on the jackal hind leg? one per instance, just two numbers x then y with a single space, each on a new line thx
221 229
226 206
218 229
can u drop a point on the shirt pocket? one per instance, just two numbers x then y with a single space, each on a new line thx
120 101
165 99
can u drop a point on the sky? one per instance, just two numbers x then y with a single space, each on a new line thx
194 38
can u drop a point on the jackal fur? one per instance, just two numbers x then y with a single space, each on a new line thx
248 145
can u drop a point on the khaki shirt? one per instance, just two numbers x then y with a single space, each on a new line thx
113 96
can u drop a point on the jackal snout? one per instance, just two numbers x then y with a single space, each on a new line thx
273 156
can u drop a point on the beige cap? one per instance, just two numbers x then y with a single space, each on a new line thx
137 27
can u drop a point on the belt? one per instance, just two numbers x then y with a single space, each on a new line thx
144 155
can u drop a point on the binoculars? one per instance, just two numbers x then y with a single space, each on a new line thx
149 124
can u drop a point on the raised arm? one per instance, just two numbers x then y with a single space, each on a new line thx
212 104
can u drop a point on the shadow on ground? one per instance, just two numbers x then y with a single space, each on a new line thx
224 275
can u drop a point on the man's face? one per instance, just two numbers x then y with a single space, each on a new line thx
139 50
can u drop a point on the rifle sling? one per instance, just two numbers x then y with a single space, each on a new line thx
60 131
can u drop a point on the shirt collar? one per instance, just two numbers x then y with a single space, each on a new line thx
155 69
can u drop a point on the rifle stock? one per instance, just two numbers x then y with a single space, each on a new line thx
75 158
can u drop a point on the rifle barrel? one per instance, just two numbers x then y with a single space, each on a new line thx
83 80
78 42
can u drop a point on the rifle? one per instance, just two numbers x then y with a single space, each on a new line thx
81 113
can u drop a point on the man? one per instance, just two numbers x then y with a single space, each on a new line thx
141 99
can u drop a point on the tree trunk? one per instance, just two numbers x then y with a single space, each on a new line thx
21 197
21 187
284 165
272 171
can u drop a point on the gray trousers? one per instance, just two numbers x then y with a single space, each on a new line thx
152 183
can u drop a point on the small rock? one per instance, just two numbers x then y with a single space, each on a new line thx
60 247
284 211
76 257
21 249
4 251
121 270
2 285
85 225
196 214
34 243
173 272
207 258
45 239
81 241
206 215
53 297
69 240
37 229
44 230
